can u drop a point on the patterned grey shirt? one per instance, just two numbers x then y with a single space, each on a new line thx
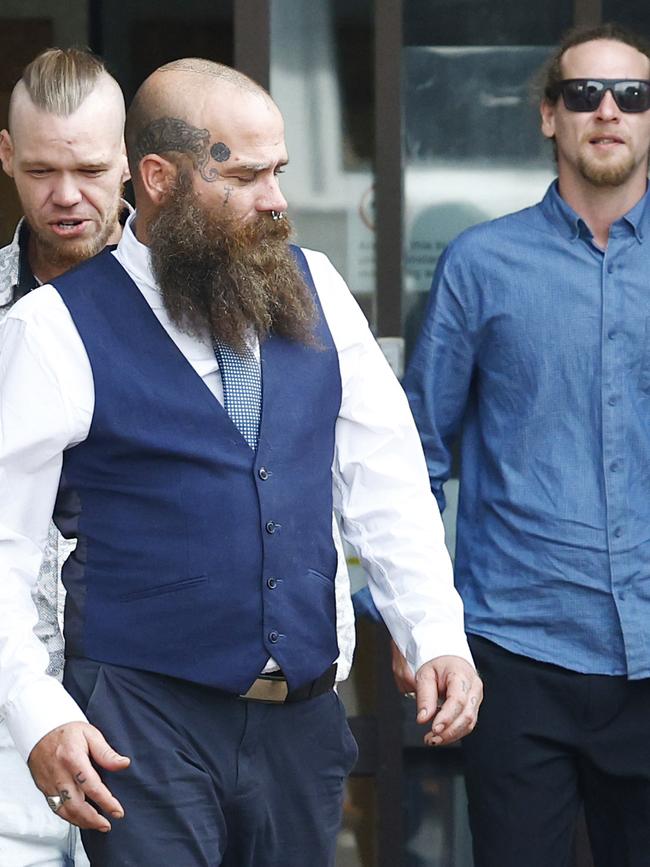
48 593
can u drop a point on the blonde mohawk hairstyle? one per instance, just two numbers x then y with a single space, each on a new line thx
60 79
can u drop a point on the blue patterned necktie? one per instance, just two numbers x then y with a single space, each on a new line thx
242 389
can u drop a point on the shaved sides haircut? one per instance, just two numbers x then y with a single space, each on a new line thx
59 80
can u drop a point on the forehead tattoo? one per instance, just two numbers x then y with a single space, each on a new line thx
167 134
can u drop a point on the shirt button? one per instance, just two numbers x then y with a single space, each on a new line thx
618 532
621 595
612 401
270 527
273 636
614 466
271 583
610 268
612 334
263 473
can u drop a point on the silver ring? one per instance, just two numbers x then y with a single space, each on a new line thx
409 695
277 215
54 802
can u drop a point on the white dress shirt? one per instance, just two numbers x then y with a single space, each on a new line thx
380 482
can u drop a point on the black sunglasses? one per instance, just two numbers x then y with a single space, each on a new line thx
586 94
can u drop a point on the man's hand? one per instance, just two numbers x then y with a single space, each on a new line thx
60 765
448 693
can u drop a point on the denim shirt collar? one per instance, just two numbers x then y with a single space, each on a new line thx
572 226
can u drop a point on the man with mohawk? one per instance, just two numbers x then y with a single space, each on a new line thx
64 149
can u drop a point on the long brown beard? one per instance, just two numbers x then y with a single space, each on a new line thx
220 275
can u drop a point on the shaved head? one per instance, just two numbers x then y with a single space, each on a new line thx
200 66
167 114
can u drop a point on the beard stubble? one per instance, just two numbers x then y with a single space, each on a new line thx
64 255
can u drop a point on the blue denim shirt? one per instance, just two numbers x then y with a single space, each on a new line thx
536 349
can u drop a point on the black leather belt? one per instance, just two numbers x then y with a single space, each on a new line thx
273 687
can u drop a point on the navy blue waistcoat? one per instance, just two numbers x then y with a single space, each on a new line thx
197 558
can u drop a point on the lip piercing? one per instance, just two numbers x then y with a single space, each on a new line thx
277 215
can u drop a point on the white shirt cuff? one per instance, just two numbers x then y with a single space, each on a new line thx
40 708
440 641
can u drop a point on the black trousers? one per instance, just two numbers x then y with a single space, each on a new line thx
548 740
215 780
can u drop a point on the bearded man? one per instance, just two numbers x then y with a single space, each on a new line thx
64 149
536 344
204 397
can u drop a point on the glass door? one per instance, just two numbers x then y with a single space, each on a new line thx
472 151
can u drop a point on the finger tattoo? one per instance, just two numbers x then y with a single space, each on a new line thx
65 795
79 777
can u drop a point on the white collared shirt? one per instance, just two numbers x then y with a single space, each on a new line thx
380 482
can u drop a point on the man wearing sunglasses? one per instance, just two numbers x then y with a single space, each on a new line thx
536 343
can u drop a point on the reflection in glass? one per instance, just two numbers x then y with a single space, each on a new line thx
473 149
321 73
485 22
435 808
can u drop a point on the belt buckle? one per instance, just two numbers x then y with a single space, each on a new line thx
269 689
